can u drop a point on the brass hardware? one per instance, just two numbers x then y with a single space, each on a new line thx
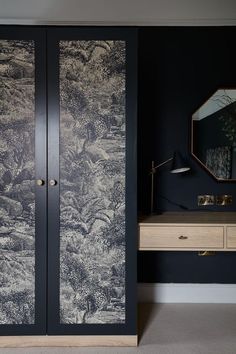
224 199
206 199
183 237
152 172
206 253
40 182
52 182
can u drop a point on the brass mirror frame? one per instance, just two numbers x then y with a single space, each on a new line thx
192 139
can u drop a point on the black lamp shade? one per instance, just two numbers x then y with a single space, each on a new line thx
179 164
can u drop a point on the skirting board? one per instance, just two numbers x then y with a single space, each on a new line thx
187 293
132 22
68 341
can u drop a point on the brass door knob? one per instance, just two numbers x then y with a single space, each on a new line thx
52 182
40 182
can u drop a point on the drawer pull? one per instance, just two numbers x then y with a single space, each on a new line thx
183 237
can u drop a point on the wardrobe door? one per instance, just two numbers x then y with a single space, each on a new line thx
92 181
22 161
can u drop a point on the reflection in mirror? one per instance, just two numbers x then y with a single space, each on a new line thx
214 134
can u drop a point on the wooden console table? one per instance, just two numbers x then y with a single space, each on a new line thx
188 231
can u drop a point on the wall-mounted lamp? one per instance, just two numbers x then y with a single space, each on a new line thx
179 165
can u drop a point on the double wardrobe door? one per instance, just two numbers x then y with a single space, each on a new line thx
67 180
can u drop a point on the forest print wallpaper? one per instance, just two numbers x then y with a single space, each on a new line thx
92 182
17 198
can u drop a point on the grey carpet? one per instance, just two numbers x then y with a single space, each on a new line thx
170 329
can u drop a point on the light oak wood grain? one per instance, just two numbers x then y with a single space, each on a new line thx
231 236
68 341
189 217
212 231
197 237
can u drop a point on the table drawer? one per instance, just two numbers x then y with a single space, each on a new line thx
181 237
231 236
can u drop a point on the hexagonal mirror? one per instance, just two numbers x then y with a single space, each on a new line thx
214 135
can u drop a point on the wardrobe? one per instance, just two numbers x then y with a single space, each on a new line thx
67 181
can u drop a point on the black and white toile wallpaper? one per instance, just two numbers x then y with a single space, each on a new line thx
92 182
17 197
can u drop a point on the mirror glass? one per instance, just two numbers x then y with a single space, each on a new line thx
214 134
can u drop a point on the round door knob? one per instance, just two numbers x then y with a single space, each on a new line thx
40 182
52 182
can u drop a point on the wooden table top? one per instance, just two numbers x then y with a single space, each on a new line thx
188 217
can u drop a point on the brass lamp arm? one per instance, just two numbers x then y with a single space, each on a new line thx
154 168
178 166
152 172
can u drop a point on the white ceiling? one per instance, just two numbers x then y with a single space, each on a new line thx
140 12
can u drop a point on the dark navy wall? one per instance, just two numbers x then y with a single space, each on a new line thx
179 68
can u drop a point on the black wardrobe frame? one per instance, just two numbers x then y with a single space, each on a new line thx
47 161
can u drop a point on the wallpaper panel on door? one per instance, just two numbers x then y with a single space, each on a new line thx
17 171
92 181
